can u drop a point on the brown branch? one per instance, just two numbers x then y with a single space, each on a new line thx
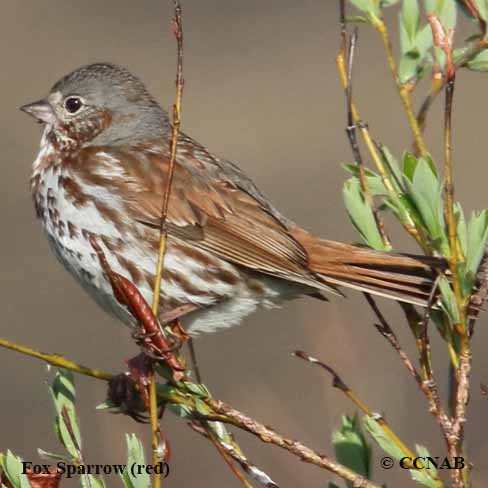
234 452
220 412
225 455
178 33
227 414
404 90
338 383
443 40
427 385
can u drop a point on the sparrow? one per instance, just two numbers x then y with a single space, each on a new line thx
101 173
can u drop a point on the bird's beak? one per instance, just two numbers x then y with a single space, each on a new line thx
41 111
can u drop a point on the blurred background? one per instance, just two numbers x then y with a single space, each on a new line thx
261 90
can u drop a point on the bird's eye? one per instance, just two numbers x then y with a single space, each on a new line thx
73 104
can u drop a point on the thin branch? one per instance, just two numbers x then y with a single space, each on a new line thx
220 412
56 360
338 383
226 457
227 414
440 82
456 257
352 136
428 386
386 331
194 362
341 63
424 342
463 372
178 33
233 450
403 89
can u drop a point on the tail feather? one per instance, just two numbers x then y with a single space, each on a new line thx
401 277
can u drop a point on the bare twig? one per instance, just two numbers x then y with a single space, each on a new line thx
178 33
352 136
235 453
427 385
443 40
194 361
403 89
341 63
225 455
338 383
386 331
227 414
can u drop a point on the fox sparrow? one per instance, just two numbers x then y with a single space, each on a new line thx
101 171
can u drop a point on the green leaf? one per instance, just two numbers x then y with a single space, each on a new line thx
52 456
425 191
356 19
392 165
479 62
368 6
351 447
482 7
361 214
476 243
373 180
415 41
12 467
376 431
423 40
409 66
410 18
423 478
388 3
422 451
135 455
181 411
462 230
197 389
92 481
409 164
63 393
448 300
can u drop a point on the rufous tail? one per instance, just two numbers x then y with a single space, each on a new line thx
401 277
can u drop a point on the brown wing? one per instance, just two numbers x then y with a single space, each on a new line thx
211 210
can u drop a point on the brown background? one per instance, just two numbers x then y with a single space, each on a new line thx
261 89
